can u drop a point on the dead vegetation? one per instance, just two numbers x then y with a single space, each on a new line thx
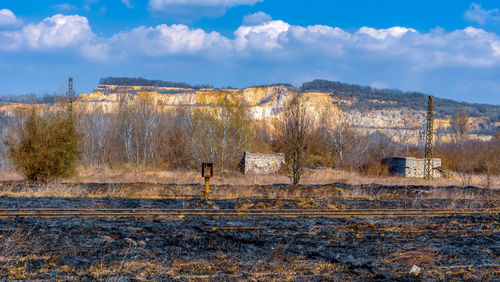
131 174
458 248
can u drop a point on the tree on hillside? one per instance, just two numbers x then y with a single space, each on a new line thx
293 130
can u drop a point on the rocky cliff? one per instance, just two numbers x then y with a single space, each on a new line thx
266 103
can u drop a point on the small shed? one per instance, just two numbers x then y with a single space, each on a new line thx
261 163
412 167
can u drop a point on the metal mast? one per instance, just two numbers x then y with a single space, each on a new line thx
71 95
428 141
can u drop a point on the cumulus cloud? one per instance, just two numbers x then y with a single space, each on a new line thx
261 37
7 18
275 44
167 40
477 14
56 32
468 47
383 34
256 18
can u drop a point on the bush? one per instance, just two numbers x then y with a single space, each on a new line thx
44 146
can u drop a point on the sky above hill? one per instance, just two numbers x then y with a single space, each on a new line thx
448 48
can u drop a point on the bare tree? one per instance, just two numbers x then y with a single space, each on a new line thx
294 128
460 126
93 126
407 132
340 132
178 139
345 140
221 132
126 120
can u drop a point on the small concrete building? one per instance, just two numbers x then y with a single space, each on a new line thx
412 167
261 163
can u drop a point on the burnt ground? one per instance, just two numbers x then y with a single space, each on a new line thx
251 248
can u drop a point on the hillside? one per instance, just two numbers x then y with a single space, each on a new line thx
372 110
366 97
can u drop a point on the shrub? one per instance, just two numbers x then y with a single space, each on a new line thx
44 146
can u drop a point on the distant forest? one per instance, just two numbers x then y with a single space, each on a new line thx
363 94
138 81
412 100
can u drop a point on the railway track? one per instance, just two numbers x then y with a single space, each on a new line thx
243 213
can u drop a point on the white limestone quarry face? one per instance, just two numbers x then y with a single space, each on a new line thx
265 105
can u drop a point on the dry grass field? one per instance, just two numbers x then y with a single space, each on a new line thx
457 247
315 177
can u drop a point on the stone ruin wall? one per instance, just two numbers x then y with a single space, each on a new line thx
412 167
261 163
415 168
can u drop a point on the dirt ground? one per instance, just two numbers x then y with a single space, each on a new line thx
256 248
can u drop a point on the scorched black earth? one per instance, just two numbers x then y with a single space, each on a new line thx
251 248
458 247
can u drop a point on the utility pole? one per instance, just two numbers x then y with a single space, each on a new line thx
428 169
71 95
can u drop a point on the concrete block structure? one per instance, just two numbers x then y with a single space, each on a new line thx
412 167
261 163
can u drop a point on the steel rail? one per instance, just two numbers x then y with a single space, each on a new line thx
247 210
240 213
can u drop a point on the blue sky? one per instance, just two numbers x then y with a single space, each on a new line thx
447 48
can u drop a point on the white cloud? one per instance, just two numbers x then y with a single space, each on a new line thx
56 32
256 18
383 34
477 14
166 40
467 47
495 46
260 37
399 46
7 18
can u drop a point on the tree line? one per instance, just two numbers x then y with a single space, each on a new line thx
142 133
139 81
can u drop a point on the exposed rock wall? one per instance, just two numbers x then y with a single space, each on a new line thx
265 104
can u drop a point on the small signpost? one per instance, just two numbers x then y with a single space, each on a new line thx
207 171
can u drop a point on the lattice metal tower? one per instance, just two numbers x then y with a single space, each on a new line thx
71 95
429 146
